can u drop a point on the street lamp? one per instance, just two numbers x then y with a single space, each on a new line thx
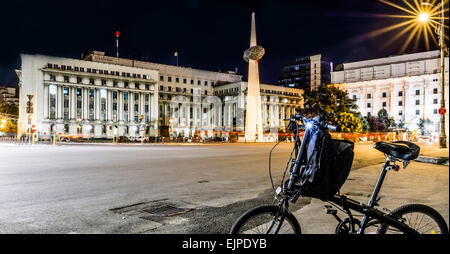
424 18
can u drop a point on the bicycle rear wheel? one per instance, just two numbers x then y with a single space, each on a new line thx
421 218
265 220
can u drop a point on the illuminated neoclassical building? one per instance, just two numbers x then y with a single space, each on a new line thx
102 96
407 86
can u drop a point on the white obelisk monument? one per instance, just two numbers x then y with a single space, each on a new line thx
253 122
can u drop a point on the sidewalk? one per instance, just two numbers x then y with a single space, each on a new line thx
419 183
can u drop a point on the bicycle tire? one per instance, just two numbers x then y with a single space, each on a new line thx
243 223
402 211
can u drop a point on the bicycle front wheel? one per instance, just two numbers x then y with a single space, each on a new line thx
423 219
266 220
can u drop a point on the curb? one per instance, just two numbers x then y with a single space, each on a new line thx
432 160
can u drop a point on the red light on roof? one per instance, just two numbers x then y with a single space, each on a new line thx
117 33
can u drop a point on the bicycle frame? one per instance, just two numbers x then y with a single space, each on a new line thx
370 213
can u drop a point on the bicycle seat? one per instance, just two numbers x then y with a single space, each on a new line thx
400 149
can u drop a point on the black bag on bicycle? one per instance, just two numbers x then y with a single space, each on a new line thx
327 165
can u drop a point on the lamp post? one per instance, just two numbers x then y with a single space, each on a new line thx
423 18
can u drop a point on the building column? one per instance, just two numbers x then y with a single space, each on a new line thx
59 99
72 103
120 106
109 105
85 103
96 104
406 108
46 101
131 107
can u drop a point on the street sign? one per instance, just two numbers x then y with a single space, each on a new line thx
442 111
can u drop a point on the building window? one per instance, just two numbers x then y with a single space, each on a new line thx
91 81
435 111
400 93
177 80
192 81
206 83
417 102
126 85
198 82
66 78
400 113
369 96
368 105
114 83
384 104
147 87
435 101
435 90
417 92
184 81
169 79
161 78
103 82
79 80
384 94
417 112
400 103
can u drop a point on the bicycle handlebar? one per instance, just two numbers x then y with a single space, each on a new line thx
300 117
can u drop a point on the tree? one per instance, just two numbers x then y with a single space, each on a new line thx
348 122
384 117
425 127
7 113
329 101
376 124
365 123
9 108
401 124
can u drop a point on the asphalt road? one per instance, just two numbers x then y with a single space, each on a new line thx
105 188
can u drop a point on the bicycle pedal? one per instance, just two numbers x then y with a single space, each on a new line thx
329 209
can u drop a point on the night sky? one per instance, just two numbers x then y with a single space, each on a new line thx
209 35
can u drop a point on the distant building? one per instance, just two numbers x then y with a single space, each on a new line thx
103 96
407 86
8 95
306 72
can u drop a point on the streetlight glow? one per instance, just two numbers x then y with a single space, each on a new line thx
423 17
418 20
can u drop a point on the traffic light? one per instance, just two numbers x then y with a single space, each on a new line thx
29 107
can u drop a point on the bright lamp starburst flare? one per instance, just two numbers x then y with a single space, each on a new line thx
418 21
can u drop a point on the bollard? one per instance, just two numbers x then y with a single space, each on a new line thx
32 139
54 139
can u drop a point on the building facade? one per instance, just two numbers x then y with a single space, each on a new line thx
407 86
8 95
306 72
103 97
